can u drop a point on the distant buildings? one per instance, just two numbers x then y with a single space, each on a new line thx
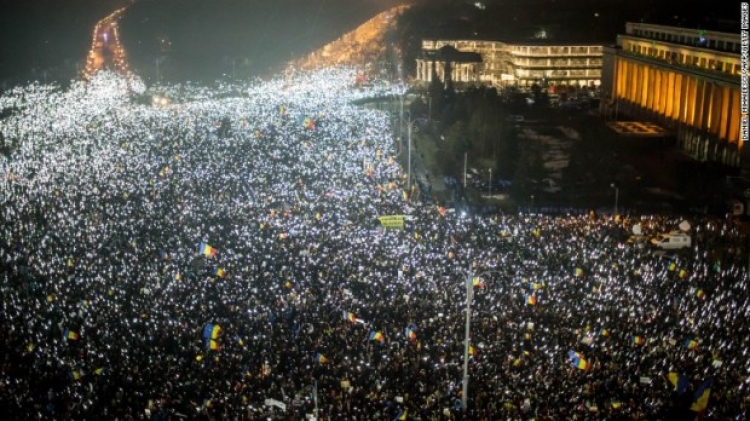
687 80
511 63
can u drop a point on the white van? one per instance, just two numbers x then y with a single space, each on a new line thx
672 240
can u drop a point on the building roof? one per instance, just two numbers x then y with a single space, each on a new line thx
449 53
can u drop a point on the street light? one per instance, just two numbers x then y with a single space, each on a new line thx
489 195
617 196
469 298
411 128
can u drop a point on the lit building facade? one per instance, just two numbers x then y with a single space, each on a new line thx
687 80
516 64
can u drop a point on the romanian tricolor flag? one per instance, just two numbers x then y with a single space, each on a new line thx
478 282
603 332
578 360
700 399
700 294
411 334
472 350
211 331
350 317
320 358
636 340
534 286
376 336
690 343
220 272
308 123
582 364
69 334
402 415
679 381
214 345
530 300
206 250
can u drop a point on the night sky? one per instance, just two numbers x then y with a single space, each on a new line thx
209 37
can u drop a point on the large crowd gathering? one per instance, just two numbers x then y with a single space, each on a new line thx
217 254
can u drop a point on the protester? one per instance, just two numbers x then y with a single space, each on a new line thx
194 257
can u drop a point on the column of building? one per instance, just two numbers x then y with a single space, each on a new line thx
706 112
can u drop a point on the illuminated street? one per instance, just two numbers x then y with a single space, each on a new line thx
106 50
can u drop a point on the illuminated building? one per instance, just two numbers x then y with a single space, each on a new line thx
515 64
687 80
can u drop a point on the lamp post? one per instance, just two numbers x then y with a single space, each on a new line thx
617 196
469 297
489 186
467 335
401 116
411 128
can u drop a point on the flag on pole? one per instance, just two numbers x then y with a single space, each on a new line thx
376 336
211 331
679 382
206 250
69 334
690 343
411 334
350 316
700 398
578 360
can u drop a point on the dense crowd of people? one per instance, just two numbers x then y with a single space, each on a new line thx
217 254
